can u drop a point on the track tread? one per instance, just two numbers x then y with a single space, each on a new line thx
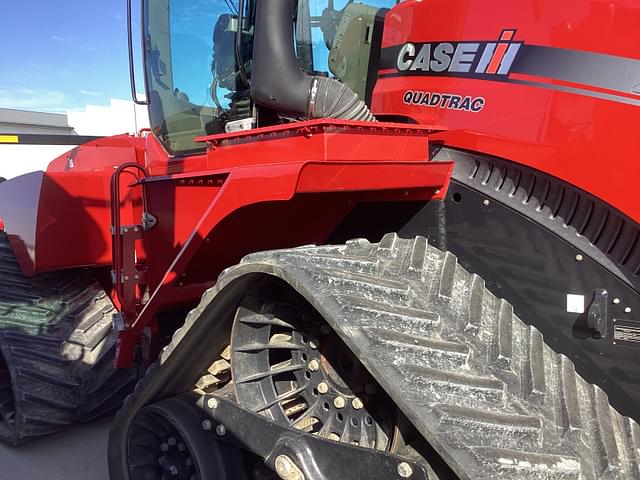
496 403
57 343
501 403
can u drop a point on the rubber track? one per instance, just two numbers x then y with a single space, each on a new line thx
481 386
57 344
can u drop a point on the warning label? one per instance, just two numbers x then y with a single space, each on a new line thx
626 333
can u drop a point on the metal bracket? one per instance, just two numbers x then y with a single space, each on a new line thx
117 321
240 125
597 318
148 221
315 458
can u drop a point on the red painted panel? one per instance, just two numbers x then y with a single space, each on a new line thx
19 198
60 218
73 220
583 137
603 26
332 177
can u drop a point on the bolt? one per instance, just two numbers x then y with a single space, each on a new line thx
173 470
206 425
164 447
313 343
616 301
161 460
579 258
188 462
323 387
212 403
182 447
627 309
314 365
485 203
370 389
357 404
172 441
405 470
339 402
221 430
287 469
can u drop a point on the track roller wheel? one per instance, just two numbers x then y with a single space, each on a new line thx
167 441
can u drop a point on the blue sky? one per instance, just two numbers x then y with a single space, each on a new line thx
64 54
60 55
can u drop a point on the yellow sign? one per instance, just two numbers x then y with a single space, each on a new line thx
9 139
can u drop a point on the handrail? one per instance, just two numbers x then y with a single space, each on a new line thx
116 245
238 45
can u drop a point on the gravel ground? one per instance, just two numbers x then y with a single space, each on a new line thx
79 453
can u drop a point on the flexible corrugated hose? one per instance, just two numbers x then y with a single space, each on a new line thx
330 98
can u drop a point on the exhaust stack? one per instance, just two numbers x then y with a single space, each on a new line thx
279 83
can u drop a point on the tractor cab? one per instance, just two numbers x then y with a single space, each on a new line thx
198 61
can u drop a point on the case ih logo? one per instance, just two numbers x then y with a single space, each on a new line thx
482 58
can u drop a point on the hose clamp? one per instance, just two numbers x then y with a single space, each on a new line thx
313 93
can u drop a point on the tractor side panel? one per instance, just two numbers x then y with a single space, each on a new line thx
19 198
103 154
562 95
73 221
60 218
57 220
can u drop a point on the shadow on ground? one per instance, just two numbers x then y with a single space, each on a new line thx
78 453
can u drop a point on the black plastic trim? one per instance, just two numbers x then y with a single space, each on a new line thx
585 221
277 81
520 229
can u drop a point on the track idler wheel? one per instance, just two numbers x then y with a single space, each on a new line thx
290 366
168 441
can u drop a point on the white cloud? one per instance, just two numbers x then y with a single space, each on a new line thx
30 98
74 42
90 93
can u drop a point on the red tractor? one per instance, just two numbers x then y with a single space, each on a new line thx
495 335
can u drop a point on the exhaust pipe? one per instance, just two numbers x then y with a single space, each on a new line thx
278 82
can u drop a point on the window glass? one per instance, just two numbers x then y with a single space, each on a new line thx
192 24
334 37
193 76
317 7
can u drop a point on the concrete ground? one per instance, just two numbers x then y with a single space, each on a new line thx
79 453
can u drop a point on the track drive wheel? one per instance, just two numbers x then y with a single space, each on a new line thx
289 365
286 364
56 351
